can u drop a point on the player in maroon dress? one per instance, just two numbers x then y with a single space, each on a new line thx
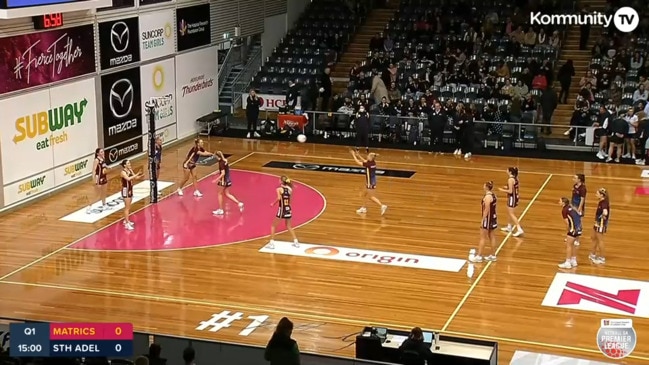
513 198
127 177
602 215
189 166
488 225
100 178
224 183
369 193
284 211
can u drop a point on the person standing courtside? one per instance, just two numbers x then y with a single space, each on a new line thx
325 88
252 113
363 129
437 119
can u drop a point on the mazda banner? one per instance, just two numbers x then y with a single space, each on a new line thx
122 114
119 43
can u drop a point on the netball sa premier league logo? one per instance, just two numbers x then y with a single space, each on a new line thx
616 338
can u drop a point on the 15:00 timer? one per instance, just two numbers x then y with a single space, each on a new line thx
30 348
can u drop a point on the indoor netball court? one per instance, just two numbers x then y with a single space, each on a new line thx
186 272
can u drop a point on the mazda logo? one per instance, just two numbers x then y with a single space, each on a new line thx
113 155
119 37
121 98
299 166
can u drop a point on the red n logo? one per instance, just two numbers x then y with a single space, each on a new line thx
624 300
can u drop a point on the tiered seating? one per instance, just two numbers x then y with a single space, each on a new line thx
426 53
304 53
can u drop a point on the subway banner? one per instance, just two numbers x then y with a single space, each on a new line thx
158 79
55 130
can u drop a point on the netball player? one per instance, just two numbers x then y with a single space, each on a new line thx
370 181
100 178
488 225
512 202
127 191
578 200
284 195
224 183
190 164
601 224
573 223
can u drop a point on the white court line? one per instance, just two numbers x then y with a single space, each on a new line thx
312 157
101 229
502 244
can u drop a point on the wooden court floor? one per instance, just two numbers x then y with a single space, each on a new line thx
435 213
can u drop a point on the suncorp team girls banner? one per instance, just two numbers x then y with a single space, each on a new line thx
36 59
44 129
196 88
157 34
159 79
121 114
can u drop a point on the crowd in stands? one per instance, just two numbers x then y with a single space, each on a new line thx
477 59
152 358
614 92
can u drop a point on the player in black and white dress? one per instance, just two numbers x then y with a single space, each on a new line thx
513 197
284 211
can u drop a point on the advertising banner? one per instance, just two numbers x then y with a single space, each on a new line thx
118 43
196 88
193 27
47 128
32 186
119 4
157 34
268 102
152 2
122 114
36 59
159 79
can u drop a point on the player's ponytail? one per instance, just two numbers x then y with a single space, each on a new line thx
513 171
219 154
603 192
123 163
565 201
197 141
581 178
286 181
489 185
97 152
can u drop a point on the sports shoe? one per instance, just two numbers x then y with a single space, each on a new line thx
197 194
240 207
565 265
361 210
384 208
218 212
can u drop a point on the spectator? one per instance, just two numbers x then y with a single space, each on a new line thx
640 94
378 90
588 78
541 38
436 122
388 44
540 82
549 103
253 103
141 361
530 38
564 76
637 61
413 350
603 129
394 94
584 30
631 138
154 355
282 349
189 356
619 129
376 43
555 40
520 90
325 88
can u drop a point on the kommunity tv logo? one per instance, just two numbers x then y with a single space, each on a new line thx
625 19
48 127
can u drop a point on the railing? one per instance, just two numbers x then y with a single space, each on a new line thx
241 83
231 58
490 133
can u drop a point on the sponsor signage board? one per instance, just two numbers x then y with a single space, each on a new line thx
193 27
157 34
159 80
267 101
41 58
357 170
118 43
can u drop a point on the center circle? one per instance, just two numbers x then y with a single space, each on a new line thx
186 222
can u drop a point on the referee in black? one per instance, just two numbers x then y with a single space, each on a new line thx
437 120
